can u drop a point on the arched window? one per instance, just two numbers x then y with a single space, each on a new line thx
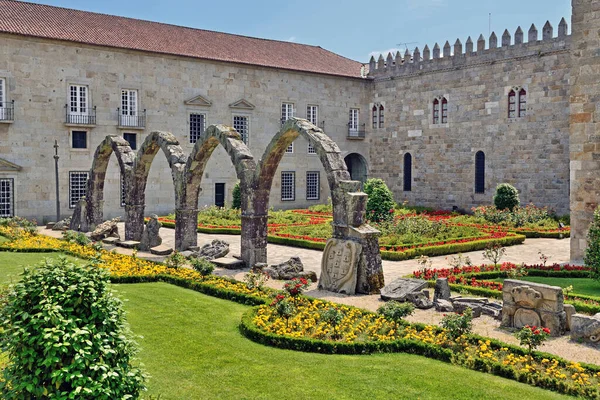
522 103
374 117
444 110
436 111
381 119
512 104
480 172
407 172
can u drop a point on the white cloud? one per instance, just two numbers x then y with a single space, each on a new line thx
291 39
385 53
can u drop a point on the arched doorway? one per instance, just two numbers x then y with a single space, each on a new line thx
357 167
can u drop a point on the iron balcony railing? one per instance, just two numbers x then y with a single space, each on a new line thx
85 117
7 112
356 132
133 121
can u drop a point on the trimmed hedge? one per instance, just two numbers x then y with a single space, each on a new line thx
530 272
544 235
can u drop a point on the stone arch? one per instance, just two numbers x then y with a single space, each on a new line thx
349 203
176 158
243 161
357 167
95 185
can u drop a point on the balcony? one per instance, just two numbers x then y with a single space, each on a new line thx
356 132
84 118
137 121
7 113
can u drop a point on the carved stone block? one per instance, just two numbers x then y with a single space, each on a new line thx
339 266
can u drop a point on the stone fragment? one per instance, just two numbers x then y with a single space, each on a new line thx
229 263
460 308
187 253
79 219
494 310
111 240
585 327
62 225
129 244
50 225
106 229
339 266
216 249
161 250
443 306
290 269
441 290
570 311
420 300
151 237
399 288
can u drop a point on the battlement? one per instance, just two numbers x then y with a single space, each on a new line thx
453 57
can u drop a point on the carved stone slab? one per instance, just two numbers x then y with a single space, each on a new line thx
339 266
399 288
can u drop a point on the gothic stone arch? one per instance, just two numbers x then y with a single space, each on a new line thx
95 185
245 166
349 203
134 208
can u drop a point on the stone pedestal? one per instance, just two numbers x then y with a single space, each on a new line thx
254 239
186 229
134 222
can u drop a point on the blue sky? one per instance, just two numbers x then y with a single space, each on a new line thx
352 28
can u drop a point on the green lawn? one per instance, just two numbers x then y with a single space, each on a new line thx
192 348
12 264
584 286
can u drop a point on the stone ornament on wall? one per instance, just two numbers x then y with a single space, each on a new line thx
533 304
339 266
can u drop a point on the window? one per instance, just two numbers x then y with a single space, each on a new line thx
77 186
436 111
440 111
480 172
78 100
407 172
132 139
129 107
287 111
312 114
122 191
312 185
381 116
240 124
353 122
2 92
288 186
290 148
79 139
311 149
7 197
197 126
374 116
517 105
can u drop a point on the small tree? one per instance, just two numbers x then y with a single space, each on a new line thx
237 197
506 197
65 335
380 205
592 252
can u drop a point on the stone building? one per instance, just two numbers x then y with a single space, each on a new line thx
442 125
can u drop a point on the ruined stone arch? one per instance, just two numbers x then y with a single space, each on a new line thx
243 161
95 185
176 158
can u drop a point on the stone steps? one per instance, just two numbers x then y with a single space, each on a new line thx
228 263
129 244
111 240
161 250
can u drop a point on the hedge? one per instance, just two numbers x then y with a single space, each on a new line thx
530 272
544 235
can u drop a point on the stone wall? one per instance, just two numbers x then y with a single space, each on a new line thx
38 73
530 152
585 118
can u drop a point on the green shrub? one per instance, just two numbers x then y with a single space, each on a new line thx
395 311
592 252
237 197
76 237
507 196
201 265
66 337
175 260
380 205
532 337
457 325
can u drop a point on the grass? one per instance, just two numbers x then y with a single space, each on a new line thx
192 348
12 264
583 286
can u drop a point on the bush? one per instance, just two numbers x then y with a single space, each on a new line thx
380 205
457 325
76 237
65 335
592 252
395 311
506 196
201 265
532 337
237 197
175 260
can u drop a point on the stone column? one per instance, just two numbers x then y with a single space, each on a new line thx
254 239
186 229
134 222
584 121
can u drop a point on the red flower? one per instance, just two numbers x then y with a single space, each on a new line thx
546 330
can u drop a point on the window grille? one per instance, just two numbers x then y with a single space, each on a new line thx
77 186
197 126
312 185
480 172
240 124
7 197
288 186
79 139
444 110
311 149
